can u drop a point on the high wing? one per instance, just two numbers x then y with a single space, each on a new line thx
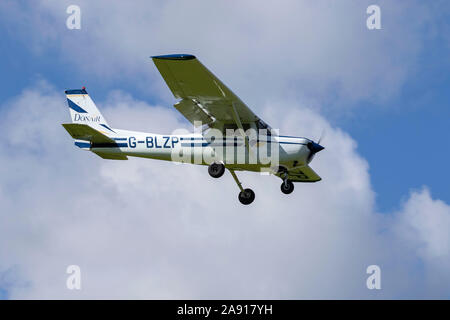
203 96
303 174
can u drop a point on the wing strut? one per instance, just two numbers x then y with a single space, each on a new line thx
239 124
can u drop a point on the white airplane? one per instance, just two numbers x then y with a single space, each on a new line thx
232 136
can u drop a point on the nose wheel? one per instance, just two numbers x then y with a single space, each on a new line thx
287 186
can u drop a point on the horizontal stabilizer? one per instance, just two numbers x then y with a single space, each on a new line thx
85 132
111 156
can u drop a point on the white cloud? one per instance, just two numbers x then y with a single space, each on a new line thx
150 229
422 227
429 222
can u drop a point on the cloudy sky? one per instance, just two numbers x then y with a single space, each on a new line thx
149 229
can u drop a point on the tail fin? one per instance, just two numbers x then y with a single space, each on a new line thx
83 110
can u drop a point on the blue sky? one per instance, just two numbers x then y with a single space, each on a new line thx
302 66
405 140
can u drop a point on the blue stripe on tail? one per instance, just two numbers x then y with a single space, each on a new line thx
75 107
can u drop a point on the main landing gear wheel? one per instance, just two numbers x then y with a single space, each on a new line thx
287 187
216 169
246 196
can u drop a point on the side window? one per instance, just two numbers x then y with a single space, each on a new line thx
261 125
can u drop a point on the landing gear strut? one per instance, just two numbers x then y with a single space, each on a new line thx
216 169
246 196
287 186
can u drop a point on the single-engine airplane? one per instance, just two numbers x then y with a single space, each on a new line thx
231 136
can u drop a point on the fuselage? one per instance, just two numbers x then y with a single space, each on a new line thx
262 151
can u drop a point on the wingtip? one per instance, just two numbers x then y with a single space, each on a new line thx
174 57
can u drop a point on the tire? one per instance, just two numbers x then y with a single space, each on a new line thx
287 187
247 196
216 169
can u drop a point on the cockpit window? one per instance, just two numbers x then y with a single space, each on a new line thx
260 125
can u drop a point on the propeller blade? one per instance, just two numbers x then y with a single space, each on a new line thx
322 135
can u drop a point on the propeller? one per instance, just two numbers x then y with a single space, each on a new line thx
322 135
315 147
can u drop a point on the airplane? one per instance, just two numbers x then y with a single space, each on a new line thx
227 134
